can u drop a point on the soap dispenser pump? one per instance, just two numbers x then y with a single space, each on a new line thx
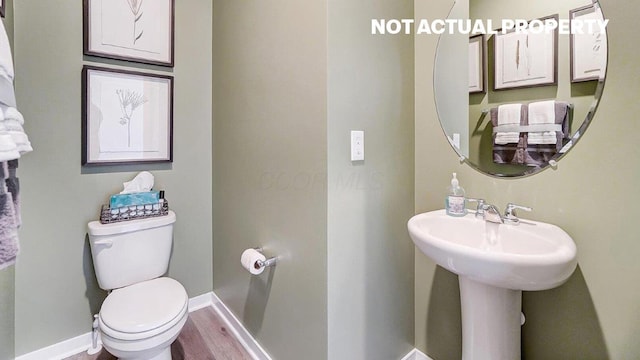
455 200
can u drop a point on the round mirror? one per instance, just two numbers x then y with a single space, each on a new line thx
516 98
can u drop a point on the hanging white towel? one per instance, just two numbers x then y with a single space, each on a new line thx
7 93
509 114
541 113
11 122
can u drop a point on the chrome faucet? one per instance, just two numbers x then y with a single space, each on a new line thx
486 211
489 212
492 214
510 213
479 208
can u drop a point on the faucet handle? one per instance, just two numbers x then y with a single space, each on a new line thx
510 213
479 208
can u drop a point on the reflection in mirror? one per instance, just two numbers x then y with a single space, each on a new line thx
527 97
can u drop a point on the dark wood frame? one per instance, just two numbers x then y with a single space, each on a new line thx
86 29
555 58
483 64
85 117
571 46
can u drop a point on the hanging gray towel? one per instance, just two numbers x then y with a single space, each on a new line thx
9 247
13 186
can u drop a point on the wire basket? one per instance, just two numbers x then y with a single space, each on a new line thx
133 212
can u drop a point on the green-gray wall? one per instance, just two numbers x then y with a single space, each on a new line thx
270 163
56 291
290 82
7 276
591 195
370 256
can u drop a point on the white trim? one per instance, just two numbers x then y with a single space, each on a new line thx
238 330
200 302
416 354
410 356
60 350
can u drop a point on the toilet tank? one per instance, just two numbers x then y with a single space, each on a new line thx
132 251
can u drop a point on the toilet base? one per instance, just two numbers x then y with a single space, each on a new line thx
164 354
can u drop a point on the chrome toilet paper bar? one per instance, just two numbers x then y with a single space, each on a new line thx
266 263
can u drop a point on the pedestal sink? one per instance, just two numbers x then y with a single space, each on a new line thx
494 264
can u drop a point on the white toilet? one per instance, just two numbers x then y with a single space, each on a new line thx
144 312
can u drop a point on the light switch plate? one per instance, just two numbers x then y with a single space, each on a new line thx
357 145
456 140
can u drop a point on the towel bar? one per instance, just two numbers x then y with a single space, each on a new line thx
486 111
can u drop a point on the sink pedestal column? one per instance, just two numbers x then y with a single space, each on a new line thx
490 321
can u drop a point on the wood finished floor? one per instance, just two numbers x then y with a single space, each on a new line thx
204 337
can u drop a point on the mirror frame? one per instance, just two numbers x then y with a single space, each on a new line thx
574 138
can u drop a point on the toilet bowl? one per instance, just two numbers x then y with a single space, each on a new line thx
142 320
145 311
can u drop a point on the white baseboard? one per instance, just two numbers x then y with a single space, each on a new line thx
61 350
200 301
416 354
82 342
238 330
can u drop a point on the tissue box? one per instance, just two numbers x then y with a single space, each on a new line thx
140 198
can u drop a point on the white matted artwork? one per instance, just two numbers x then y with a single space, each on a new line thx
476 64
588 49
126 118
528 57
132 30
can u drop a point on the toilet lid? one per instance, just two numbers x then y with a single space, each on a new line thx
143 306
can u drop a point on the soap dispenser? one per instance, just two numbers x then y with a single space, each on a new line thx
455 200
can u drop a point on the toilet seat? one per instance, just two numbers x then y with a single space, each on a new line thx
143 310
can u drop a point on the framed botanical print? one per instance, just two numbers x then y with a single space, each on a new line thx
127 117
588 50
477 77
131 30
528 57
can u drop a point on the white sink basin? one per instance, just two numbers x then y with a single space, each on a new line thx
529 256
494 263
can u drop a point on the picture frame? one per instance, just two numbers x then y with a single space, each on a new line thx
130 30
3 7
588 52
527 58
127 117
477 73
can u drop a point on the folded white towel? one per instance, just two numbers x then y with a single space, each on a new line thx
508 114
547 137
11 121
542 112
8 148
11 113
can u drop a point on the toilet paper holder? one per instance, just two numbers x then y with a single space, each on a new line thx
266 263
